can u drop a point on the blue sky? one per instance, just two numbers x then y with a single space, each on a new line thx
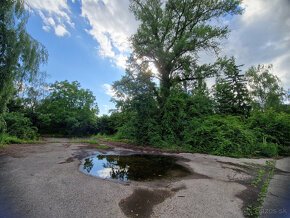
87 40
74 56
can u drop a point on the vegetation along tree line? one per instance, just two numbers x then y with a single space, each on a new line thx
242 114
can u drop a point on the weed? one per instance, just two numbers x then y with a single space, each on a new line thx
263 177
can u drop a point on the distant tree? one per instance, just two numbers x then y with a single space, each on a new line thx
172 33
69 110
265 87
231 93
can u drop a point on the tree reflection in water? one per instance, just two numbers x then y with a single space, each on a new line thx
88 165
133 167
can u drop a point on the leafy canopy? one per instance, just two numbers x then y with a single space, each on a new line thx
69 109
265 87
172 33
20 54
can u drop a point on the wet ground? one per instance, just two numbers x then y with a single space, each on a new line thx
48 180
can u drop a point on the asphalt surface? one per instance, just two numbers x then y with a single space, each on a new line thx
44 181
277 201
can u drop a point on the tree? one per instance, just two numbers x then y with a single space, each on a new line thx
231 92
265 87
172 33
69 110
136 98
20 54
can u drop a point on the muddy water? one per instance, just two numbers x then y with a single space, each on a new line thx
135 167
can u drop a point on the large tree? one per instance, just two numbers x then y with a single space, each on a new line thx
173 32
20 54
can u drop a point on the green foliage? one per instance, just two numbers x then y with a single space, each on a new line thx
7 139
265 87
172 33
19 126
91 141
188 120
173 117
68 110
2 126
267 149
220 135
136 94
108 124
20 55
199 104
261 181
271 126
231 92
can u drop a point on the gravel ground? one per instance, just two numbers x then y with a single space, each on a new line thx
44 181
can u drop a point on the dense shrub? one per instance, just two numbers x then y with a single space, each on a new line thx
19 126
220 135
173 117
267 149
273 126
7 139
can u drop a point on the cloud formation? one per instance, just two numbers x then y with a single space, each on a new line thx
55 15
109 90
262 36
111 25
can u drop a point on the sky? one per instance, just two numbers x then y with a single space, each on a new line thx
87 40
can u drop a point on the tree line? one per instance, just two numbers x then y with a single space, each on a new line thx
242 114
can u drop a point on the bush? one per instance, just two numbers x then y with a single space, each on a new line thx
220 136
267 149
273 126
7 139
19 126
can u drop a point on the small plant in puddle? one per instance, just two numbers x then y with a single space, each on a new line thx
263 180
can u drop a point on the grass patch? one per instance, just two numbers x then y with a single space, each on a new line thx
262 181
91 141
112 138
7 139
102 146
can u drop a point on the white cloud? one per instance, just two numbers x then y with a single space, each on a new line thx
261 36
61 31
54 13
111 25
46 28
109 90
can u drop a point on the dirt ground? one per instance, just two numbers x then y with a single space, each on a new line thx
43 180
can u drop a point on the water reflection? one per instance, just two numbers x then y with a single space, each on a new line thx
133 167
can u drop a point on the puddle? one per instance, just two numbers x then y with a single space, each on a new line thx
135 167
141 202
